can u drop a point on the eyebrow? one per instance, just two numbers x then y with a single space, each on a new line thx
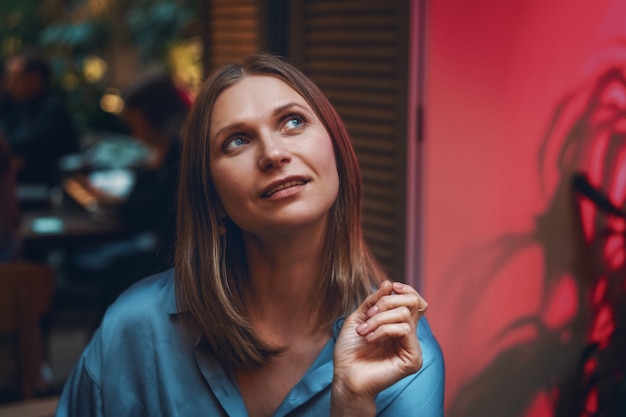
280 109
277 111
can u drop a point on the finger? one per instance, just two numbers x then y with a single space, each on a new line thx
411 352
412 300
384 289
396 316
400 288
393 331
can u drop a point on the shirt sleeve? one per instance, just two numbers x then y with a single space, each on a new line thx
420 394
81 394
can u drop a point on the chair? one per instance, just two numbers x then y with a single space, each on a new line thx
26 293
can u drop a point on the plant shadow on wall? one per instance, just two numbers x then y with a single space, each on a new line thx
576 366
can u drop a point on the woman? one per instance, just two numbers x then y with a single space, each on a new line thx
257 300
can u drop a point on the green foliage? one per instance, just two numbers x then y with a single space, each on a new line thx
72 31
154 24
88 36
20 23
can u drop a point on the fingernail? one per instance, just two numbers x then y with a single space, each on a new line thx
372 311
361 328
398 285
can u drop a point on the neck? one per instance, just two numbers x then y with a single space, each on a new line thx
284 279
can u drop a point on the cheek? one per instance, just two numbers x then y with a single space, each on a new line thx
327 155
328 166
331 169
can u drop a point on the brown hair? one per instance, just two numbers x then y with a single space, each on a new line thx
211 269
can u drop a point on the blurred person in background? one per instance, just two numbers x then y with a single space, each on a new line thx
35 119
9 208
155 110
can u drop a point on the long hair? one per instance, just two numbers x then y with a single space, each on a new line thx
211 269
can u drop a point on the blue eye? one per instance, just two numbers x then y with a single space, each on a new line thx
235 142
295 121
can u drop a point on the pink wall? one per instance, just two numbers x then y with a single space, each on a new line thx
501 237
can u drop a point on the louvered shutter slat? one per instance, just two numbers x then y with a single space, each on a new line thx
355 51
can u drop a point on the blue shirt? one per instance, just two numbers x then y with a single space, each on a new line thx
142 362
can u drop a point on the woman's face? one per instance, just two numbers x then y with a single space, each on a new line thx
272 160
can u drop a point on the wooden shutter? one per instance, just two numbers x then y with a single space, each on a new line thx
232 31
357 52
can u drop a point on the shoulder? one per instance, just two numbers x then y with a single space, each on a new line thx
131 322
137 342
431 350
149 298
433 367
139 312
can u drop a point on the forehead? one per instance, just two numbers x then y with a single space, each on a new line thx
253 95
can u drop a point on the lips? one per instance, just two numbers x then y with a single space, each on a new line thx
276 187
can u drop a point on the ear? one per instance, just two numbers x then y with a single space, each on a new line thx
221 216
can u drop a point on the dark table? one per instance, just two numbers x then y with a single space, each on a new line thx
45 230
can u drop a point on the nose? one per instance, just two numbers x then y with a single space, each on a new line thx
273 153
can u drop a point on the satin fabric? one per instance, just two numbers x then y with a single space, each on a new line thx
142 362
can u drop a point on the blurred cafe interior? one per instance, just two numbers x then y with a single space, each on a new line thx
491 137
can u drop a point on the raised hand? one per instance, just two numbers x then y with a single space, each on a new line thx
377 347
